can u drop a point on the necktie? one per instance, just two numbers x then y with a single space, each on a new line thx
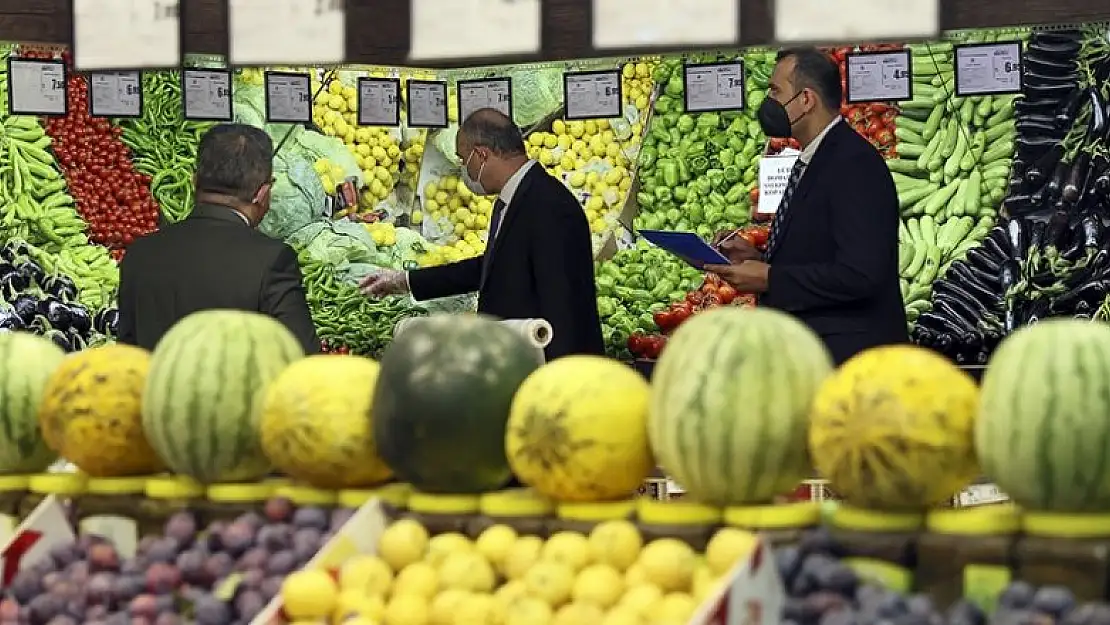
495 220
784 206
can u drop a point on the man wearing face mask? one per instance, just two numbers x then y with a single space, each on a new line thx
216 259
538 262
832 252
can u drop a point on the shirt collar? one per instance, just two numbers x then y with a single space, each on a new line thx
513 183
811 149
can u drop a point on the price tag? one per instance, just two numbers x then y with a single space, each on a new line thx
774 174
988 68
883 76
714 86
485 93
125 34
427 104
116 94
665 23
207 94
288 98
287 32
379 102
807 21
474 28
37 87
592 95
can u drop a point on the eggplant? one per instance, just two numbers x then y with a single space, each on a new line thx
77 342
105 321
1056 232
988 297
989 281
79 318
60 338
13 282
1037 173
961 316
1088 293
1033 80
1036 142
1048 67
1069 109
1035 312
9 320
1057 51
1096 126
26 306
1010 276
1076 178
978 257
15 249
56 313
1096 267
1020 204
60 287
939 322
1009 320
984 309
1016 236
31 271
1063 35
1025 107
1037 234
1055 186
1058 91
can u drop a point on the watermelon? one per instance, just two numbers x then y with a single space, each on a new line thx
1043 431
203 389
730 404
893 429
27 362
442 401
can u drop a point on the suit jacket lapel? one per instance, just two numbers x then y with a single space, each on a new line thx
805 185
511 212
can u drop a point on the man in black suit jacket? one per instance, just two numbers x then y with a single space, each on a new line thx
832 255
216 259
538 262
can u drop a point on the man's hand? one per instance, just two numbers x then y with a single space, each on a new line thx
384 282
735 247
746 277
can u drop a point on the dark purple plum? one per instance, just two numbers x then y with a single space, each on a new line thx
824 601
162 578
64 555
213 536
209 610
167 618
840 616
52 579
132 566
165 603
920 604
77 572
127 587
63 620
275 537
278 510
253 520
788 560
271 586
162 550
100 588
94 612
253 559
818 540
248 604
191 564
219 565
311 517
251 578
88 540
143 606
282 563
45 607
1018 595
1088 614
145 544
1053 600
964 612
103 557
237 539
181 527
306 542
26 586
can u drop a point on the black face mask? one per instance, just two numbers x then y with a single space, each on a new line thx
773 118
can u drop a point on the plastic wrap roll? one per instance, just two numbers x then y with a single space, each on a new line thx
537 332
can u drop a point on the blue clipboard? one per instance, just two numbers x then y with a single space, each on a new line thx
685 245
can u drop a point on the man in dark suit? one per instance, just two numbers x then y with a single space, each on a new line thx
216 259
538 262
832 254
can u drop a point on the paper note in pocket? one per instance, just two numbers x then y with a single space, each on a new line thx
685 245
774 174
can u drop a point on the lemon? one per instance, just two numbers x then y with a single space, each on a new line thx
405 609
578 614
521 556
309 594
570 548
353 603
634 575
403 543
467 570
528 611
599 584
551 581
443 607
705 583
443 545
417 579
559 127
511 591
479 610
622 616
675 607
369 575
641 599
727 547
494 543
668 563
578 179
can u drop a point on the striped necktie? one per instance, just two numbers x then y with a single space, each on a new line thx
784 206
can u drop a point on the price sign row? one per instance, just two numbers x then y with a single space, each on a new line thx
980 69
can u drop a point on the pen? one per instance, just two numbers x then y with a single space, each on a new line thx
727 237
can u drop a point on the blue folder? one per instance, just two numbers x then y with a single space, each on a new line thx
685 245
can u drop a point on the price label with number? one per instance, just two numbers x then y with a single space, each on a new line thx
485 93
883 76
126 34
207 94
474 28
714 86
592 95
665 23
988 68
288 98
427 103
36 87
287 32
379 102
116 94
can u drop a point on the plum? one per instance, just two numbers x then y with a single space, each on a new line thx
1053 600
271 586
248 604
64 555
253 559
824 601
162 578
251 578
26 586
278 510
209 610
282 563
306 542
103 557
95 612
212 537
253 520
191 565
1088 614
964 612
100 588
275 537
219 565
167 618
127 587
143 606
840 616
45 607
311 517
1017 595
182 527
818 540
238 538
63 619
162 550
51 579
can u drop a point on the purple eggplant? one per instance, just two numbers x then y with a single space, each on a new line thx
60 338
56 312
26 307
60 287
9 320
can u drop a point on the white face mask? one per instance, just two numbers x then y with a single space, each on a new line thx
475 186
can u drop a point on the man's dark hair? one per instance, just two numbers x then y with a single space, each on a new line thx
493 129
235 160
815 70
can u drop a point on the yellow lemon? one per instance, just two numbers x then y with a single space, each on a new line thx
570 548
406 610
528 611
727 547
600 584
559 127
479 610
511 591
641 598
622 616
443 607
494 543
635 575
403 543
418 579
675 607
467 570
551 581
309 594
369 575
352 603
578 614
668 563
443 545
705 583
521 556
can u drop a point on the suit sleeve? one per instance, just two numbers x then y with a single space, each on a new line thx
562 265
453 279
283 298
126 329
864 227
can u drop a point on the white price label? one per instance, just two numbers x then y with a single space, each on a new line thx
379 102
665 23
863 20
126 34
714 87
36 87
427 104
474 28
287 32
592 95
207 94
116 94
879 76
774 175
288 98
988 68
491 93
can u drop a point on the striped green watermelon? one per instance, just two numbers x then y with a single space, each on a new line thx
730 404
203 390
27 362
442 400
1043 431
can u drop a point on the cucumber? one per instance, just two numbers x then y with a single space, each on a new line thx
932 125
941 198
912 124
928 227
974 188
911 196
910 150
904 166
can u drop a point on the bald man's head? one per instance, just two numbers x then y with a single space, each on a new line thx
491 148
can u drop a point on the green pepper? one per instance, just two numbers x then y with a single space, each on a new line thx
683 169
675 86
755 98
726 157
715 177
699 165
717 199
736 144
713 214
649 140
695 212
674 136
718 141
662 73
605 284
738 127
709 120
736 213
660 134
696 148
754 129
670 173
750 175
751 148
664 194
700 187
673 215
606 306
735 194
645 200
685 123
680 194
733 174
648 155
660 291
